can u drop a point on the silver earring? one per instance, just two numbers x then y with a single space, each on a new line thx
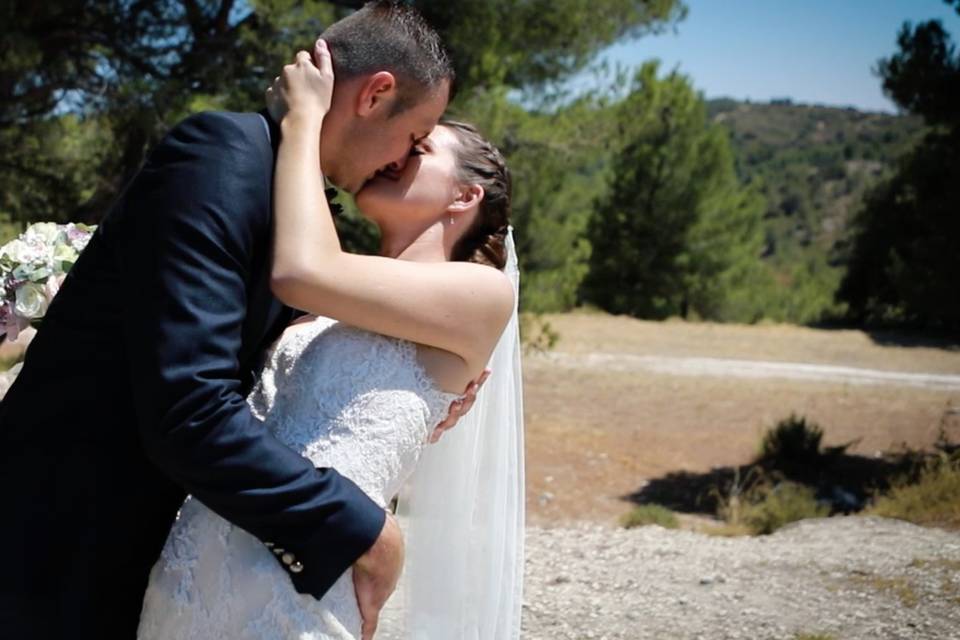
451 219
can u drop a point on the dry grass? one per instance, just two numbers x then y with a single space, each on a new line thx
646 514
727 530
933 499
897 586
582 332
767 507
946 564
949 571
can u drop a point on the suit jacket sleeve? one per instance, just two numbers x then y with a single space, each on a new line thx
203 198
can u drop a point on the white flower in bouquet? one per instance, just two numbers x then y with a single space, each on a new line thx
32 268
31 302
78 235
44 233
22 253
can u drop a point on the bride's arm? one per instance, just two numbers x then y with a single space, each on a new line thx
456 306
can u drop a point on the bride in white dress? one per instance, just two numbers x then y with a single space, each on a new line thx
363 394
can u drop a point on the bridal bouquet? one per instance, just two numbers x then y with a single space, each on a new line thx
32 267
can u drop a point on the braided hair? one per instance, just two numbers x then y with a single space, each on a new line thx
481 163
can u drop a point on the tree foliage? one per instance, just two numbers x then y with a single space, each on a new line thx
524 44
813 165
125 71
904 262
556 158
922 77
677 234
629 196
111 76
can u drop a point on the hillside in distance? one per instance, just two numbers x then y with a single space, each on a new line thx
813 164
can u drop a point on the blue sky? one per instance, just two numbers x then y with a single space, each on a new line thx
812 51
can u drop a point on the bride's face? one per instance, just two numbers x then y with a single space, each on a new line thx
422 191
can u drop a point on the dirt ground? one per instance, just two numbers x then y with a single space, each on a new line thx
594 436
596 433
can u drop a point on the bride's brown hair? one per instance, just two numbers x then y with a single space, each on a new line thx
479 162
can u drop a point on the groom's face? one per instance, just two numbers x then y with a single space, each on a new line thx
382 141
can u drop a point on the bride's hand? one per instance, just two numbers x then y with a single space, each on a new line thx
303 87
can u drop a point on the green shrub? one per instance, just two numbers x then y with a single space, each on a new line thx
650 514
766 508
793 440
537 335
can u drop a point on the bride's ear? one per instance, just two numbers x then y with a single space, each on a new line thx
468 196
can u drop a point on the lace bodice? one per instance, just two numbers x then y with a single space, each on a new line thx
344 398
352 400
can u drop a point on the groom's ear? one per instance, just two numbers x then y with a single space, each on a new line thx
377 93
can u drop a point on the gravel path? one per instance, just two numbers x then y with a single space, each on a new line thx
751 369
851 578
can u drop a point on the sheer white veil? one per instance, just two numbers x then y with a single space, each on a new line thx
463 511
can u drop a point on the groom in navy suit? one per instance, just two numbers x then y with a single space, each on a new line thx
133 390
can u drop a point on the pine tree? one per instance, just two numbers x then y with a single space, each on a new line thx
905 260
677 234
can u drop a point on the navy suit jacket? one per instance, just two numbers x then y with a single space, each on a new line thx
133 391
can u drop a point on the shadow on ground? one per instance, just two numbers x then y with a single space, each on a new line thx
845 482
903 337
908 339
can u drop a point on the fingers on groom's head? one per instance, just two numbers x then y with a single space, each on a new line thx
320 48
322 57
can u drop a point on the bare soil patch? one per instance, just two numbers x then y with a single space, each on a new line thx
596 436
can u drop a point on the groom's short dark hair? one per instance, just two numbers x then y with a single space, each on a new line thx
391 36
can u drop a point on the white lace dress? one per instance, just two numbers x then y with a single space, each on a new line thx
342 397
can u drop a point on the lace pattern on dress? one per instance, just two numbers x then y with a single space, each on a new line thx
344 398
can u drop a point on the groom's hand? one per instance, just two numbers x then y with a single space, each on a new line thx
376 573
460 406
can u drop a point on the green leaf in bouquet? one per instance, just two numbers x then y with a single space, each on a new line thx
33 273
65 253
